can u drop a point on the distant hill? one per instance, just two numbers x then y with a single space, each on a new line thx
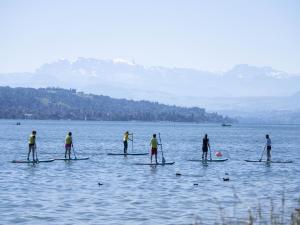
57 103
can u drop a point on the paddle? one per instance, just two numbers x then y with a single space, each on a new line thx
162 153
209 153
74 152
132 142
262 155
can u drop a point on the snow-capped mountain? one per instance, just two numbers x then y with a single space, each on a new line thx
125 79
243 91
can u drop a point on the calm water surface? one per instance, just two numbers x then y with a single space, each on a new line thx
68 192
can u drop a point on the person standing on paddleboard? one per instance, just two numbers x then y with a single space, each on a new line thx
68 145
31 145
125 141
154 144
205 146
269 147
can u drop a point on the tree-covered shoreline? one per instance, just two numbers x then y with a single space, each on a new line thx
58 103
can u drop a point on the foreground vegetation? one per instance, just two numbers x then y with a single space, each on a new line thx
273 215
57 103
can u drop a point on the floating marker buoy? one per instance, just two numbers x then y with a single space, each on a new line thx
218 154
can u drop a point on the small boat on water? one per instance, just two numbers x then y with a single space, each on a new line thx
226 125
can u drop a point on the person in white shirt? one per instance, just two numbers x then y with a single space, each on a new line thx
269 147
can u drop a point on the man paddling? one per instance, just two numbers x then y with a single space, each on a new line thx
154 144
269 147
205 146
68 145
125 141
32 145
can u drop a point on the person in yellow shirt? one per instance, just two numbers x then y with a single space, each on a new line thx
154 144
125 141
32 146
68 145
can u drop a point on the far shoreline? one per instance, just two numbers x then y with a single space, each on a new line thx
161 122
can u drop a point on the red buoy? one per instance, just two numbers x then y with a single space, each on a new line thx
218 154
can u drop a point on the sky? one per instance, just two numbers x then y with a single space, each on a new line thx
207 35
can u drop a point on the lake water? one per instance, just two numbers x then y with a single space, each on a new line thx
68 192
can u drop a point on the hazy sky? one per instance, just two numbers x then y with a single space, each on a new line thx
209 35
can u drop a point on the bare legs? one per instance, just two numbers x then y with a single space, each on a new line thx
32 149
204 155
68 151
155 158
269 154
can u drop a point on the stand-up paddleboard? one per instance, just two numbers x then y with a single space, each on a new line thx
123 154
208 160
273 161
154 164
30 161
72 159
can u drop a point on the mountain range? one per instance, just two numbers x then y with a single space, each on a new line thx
244 88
